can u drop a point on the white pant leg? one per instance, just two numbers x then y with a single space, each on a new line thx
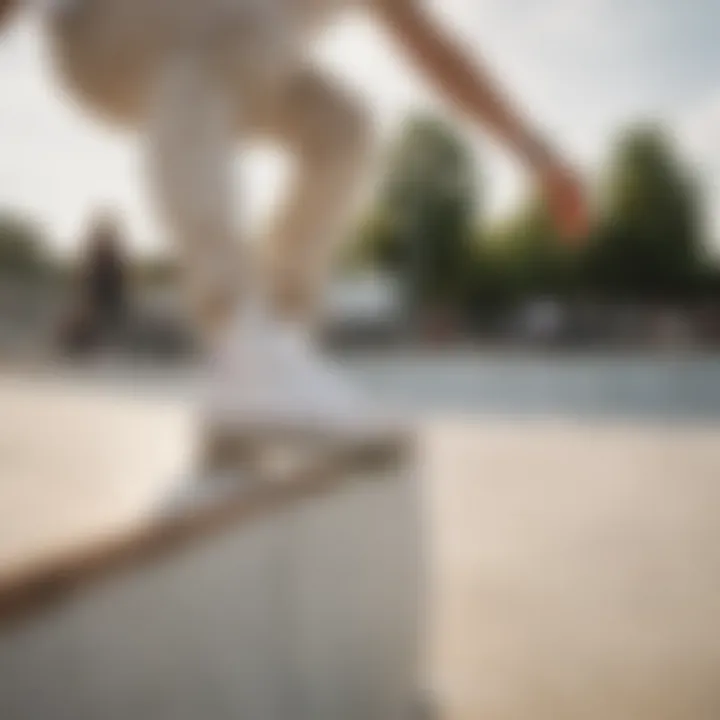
328 133
190 149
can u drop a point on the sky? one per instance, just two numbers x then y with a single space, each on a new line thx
580 69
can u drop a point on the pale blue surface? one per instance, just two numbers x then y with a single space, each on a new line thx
617 386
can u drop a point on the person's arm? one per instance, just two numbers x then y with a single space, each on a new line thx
463 81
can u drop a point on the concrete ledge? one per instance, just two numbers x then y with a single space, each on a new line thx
33 588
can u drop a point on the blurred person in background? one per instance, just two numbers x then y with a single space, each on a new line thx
101 289
198 76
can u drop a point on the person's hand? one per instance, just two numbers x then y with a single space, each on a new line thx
565 195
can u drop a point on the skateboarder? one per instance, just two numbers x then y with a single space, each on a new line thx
200 78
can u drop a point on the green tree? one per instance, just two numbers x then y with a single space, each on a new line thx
21 248
530 256
491 289
649 244
422 223
376 243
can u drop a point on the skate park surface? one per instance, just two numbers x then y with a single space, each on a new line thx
573 560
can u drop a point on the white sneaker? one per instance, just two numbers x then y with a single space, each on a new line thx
269 380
